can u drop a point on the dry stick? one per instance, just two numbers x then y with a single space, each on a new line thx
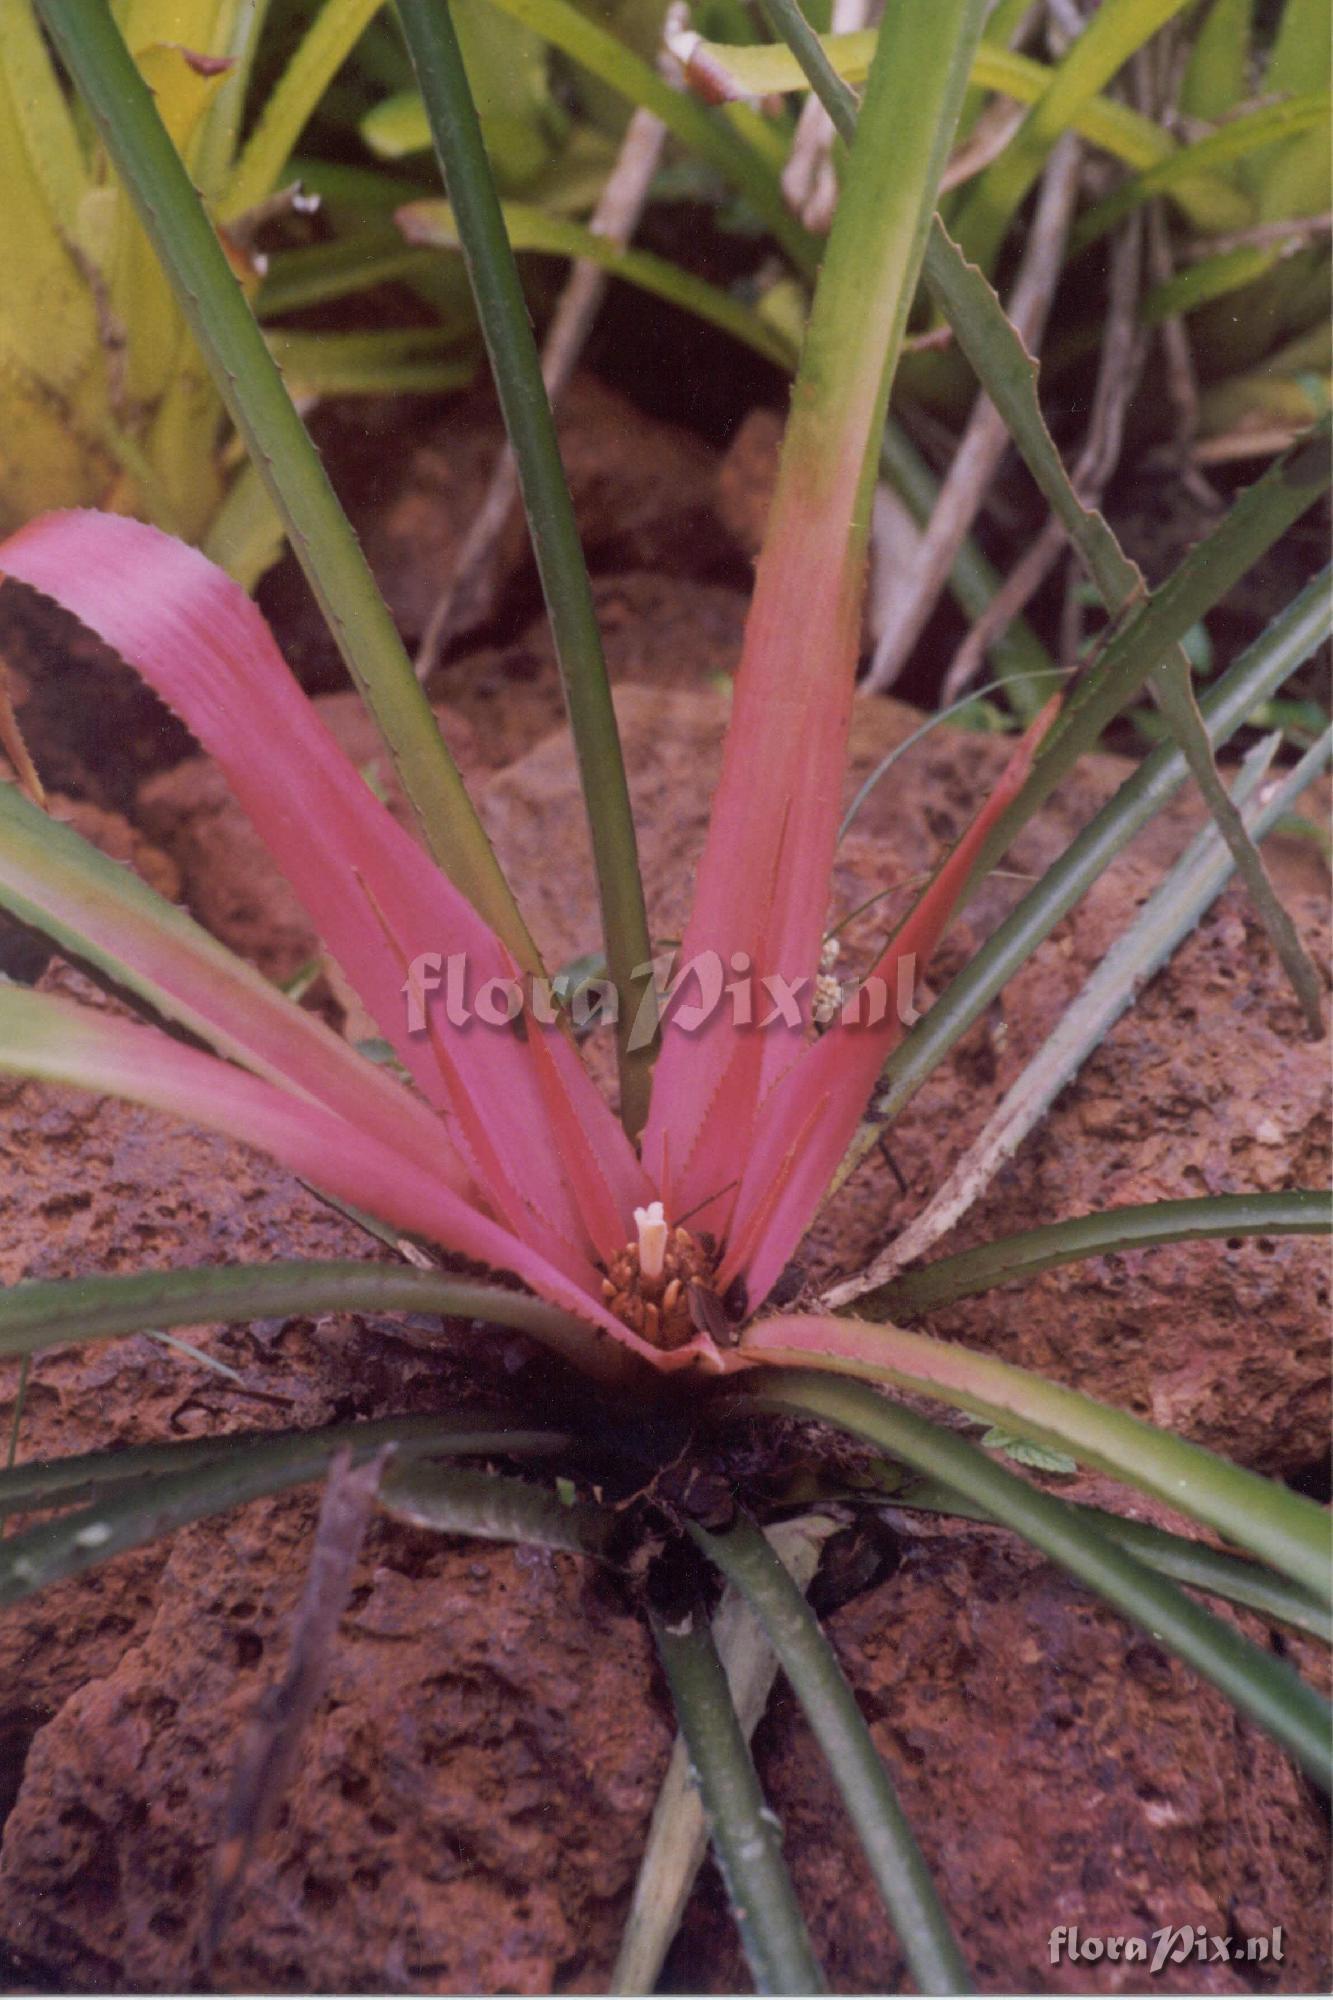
1296 230
273 1735
986 438
810 178
1181 385
1117 380
467 597
987 140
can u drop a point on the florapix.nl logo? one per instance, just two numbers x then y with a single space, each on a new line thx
441 985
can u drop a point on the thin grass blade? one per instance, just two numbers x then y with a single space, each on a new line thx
516 368
1108 1232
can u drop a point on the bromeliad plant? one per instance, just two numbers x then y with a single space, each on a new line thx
648 1246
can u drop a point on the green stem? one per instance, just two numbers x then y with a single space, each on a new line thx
745 1835
248 380
1262 1687
819 1684
503 313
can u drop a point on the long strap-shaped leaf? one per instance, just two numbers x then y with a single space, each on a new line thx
820 1686
746 1837
248 380
370 891
775 812
507 330
57 1042
60 1311
1290 1533
209 1475
1106 1232
1263 1687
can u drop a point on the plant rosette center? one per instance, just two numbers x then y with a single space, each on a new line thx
655 1284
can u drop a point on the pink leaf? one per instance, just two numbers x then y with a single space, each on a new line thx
836 1076
762 886
104 914
57 1041
196 637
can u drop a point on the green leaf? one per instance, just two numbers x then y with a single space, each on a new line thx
1262 513
1235 141
990 203
1288 642
491 1507
866 1788
1168 916
55 1312
678 1835
1198 1564
325 47
516 367
746 1837
1211 278
417 361
712 136
1261 1686
1109 1232
1025 1451
1285 1530
1215 79
529 228
209 1476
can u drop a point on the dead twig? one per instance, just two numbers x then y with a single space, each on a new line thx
810 177
1297 230
273 1736
467 598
